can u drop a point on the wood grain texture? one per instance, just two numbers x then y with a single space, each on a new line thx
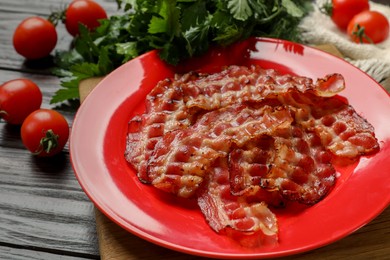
40 7
44 213
33 254
43 206
117 243
371 241
48 84
12 12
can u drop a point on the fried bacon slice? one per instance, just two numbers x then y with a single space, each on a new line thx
181 159
292 162
245 139
248 216
239 84
165 111
302 170
250 163
172 103
342 130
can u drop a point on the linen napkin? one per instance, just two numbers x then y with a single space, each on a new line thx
374 59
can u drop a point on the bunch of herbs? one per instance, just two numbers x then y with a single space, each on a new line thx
179 29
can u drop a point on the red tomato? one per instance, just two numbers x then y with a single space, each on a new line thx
86 12
45 132
35 38
18 98
368 27
342 11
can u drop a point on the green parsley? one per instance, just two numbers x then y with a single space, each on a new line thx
179 29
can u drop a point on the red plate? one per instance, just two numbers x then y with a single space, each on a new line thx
98 141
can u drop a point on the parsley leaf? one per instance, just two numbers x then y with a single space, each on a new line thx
292 8
240 9
167 21
179 29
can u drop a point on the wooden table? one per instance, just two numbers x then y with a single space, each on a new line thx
44 214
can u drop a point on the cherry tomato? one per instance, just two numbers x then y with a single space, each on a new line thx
18 98
368 27
86 12
342 11
45 132
35 38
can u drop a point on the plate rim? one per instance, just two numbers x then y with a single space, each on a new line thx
144 235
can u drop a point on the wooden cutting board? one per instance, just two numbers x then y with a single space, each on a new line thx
371 241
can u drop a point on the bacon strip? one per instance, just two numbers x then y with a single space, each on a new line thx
172 103
250 163
165 111
302 170
182 158
253 84
243 139
227 213
292 161
342 130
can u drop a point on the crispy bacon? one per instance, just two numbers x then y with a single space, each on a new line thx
292 161
172 103
182 158
245 139
227 213
242 84
302 170
342 130
250 163
165 111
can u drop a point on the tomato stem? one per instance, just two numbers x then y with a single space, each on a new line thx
360 34
47 143
57 16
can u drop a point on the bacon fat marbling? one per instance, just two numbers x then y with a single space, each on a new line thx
245 139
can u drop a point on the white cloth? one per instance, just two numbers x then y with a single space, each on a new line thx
374 59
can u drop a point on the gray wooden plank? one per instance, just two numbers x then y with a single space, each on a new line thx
42 205
48 84
10 59
40 7
28 254
44 214
13 12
